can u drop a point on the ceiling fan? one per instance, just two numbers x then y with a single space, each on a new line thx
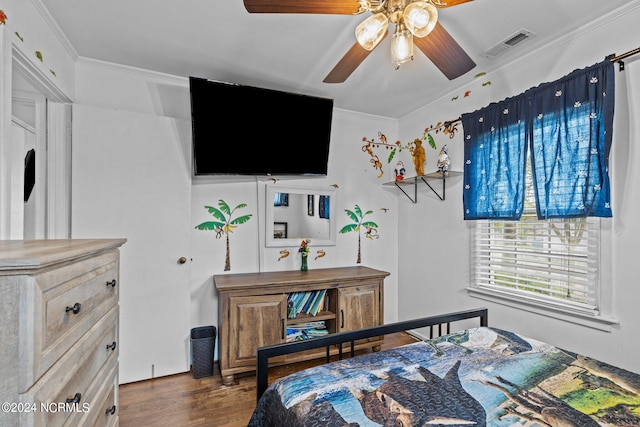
416 23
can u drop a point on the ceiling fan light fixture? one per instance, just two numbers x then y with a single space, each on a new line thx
420 18
401 47
370 31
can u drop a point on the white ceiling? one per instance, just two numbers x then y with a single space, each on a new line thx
219 39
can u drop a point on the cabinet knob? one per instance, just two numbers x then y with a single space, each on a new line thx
111 346
112 283
110 411
75 399
182 260
75 309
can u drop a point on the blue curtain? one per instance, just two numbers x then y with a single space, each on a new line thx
567 127
571 130
495 153
324 207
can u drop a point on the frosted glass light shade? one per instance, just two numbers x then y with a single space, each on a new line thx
401 47
370 31
420 17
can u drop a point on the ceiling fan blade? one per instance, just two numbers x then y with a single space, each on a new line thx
445 52
348 63
336 7
441 4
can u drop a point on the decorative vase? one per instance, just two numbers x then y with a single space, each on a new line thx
304 266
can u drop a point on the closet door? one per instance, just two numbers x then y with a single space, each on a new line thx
130 179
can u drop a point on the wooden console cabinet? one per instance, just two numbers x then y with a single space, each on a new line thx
252 311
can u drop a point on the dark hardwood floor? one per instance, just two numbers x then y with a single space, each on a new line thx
182 401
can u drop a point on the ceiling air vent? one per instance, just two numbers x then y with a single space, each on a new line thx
508 43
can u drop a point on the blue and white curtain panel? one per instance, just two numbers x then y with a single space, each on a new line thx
564 128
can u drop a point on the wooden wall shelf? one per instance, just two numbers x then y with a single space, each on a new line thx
414 180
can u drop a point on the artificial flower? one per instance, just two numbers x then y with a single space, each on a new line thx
304 247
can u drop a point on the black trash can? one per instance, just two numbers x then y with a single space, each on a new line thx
203 342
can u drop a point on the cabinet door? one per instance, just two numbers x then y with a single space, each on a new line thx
255 321
359 307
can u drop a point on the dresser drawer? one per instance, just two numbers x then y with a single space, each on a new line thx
80 373
105 412
102 410
68 300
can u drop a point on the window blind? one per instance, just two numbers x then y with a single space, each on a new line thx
552 262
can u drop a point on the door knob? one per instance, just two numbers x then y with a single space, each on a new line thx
182 260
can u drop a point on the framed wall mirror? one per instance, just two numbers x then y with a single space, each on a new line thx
294 214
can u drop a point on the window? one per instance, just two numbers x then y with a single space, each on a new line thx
281 199
551 264
536 186
550 261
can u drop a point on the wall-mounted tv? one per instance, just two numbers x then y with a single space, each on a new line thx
245 130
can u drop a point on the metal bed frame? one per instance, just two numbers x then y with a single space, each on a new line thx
264 353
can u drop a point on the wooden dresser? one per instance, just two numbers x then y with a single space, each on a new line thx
253 311
59 334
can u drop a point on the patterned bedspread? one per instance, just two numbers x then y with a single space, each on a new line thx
479 377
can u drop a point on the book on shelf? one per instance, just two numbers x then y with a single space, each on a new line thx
318 303
306 330
308 302
308 325
303 302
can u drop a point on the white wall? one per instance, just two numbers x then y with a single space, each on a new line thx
137 93
26 32
423 245
350 169
30 21
433 279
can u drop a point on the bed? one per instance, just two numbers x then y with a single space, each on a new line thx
477 376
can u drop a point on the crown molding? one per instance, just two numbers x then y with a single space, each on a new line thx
55 28
138 72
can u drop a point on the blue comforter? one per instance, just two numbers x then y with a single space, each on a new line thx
478 377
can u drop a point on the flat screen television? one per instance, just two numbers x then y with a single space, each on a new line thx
245 130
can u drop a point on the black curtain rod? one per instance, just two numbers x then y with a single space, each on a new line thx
619 58
615 58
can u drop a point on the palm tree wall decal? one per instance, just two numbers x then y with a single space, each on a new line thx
358 222
225 224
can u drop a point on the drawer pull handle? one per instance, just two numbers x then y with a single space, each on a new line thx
75 309
75 399
112 283
111 346
342 316
110 411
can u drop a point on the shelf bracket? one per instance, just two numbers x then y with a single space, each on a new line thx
415 191
413 181
434 190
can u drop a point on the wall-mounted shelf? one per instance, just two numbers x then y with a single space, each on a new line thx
413 181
